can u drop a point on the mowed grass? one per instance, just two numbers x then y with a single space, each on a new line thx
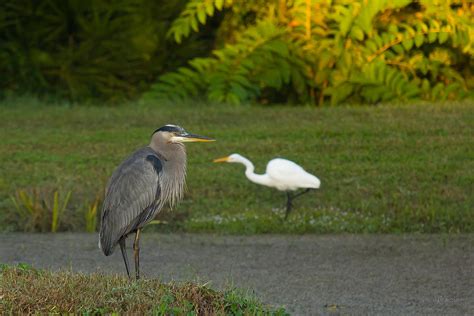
24 290
389 168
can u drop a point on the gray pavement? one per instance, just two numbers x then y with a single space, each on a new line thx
308 275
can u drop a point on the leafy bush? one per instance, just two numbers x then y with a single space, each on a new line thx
88 49
312 51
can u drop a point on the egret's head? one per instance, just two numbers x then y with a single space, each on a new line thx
174 134
230 158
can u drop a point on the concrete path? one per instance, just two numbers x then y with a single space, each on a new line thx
308 275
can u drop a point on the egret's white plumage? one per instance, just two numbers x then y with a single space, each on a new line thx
288 176
282 174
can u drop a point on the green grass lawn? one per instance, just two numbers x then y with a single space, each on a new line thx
24 290
391 168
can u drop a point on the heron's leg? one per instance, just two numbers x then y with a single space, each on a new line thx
288 204
124 254
136 254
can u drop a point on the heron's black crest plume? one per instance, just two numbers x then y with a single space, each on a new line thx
170 128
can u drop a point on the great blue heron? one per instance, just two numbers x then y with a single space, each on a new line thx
140 186
282 174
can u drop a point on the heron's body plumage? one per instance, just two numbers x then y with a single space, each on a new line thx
140 186
137 191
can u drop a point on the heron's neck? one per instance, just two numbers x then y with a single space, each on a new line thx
174 153
251 175
173 175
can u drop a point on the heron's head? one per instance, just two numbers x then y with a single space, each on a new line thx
230 158
174 134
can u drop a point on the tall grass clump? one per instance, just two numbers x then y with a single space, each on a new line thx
37 210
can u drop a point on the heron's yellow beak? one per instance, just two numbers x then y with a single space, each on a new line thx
223 159
188 138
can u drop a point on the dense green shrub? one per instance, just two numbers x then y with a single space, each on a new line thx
312 51
301 51
82 49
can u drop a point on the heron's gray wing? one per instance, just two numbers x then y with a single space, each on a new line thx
131 198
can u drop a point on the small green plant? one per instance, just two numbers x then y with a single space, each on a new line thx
28 208
57 210
37 212
90 216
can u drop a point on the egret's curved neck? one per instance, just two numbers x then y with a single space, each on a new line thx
251 175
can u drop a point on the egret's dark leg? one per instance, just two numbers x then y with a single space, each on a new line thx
124 254
301 193
136 253
288 204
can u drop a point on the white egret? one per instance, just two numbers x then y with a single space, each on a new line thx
282 174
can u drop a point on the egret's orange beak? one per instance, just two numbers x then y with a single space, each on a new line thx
223 159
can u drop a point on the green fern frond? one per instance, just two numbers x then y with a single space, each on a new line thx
236 73
256 61
379 82
196 12
184 83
